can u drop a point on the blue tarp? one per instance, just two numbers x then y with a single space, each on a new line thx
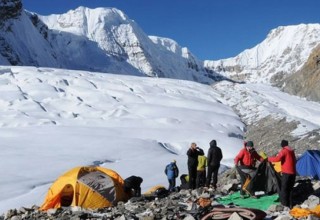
309 164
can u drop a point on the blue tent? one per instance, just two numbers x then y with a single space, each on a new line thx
309 164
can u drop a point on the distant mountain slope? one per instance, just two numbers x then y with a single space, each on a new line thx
283 52
121 39
20 41
102 39
272 115
106 40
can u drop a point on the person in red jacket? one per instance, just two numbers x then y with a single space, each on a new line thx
245 163
287 158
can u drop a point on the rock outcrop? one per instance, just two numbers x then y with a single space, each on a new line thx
305 82
9 9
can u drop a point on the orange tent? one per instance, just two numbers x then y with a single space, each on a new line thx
87 187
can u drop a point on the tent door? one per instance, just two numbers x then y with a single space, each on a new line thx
66 195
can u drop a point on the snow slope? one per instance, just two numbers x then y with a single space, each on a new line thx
54 119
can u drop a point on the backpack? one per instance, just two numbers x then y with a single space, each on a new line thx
176 171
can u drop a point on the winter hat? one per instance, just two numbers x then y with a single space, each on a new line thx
249 144
174 161
284 143
213 143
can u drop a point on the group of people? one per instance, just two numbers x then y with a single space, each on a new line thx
245 163
197 163
203 169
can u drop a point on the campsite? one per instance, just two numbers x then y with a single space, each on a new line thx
75 195
168 109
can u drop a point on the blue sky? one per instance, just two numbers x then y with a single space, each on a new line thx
211 29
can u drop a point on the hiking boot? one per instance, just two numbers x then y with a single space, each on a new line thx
244 196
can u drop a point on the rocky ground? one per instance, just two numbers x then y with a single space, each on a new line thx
268 132
184 204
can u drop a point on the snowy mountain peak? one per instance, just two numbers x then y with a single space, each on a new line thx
167 43
84 21
283 52
173 46
101 40
106 40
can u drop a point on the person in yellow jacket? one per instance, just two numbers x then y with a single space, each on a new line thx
201 171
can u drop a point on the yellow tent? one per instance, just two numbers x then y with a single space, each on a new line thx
153 190
87 187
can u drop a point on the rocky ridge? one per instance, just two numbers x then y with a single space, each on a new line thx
9 9
306 81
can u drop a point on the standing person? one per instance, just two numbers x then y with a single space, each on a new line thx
287 158
172 173
245 163
201 171
193 154
214 157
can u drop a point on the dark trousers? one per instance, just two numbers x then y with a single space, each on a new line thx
133 192
184 183
201 178
172 184
287 183
212 175
137 192
192 177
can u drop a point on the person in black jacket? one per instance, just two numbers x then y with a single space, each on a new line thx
193 154
184 179
214 157
132 186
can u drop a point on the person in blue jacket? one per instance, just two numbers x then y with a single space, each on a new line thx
172 173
